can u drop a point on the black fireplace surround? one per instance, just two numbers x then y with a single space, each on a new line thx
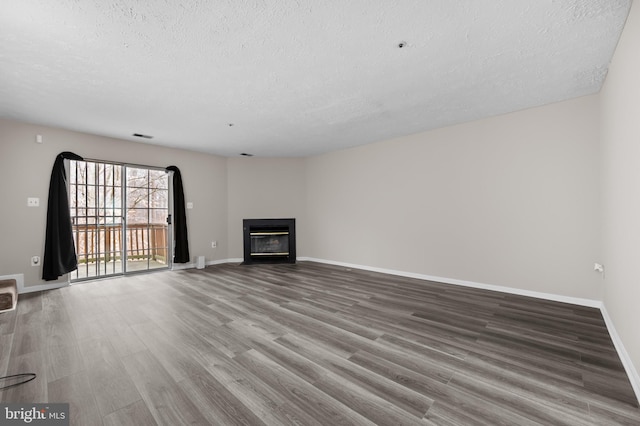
269 241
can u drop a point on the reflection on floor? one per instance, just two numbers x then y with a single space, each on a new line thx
102 269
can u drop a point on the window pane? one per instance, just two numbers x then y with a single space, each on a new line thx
91 173
159 198
158 216
137 198
137 216
137 178
158 179
100 173
90 196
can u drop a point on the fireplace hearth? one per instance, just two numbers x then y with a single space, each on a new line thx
269 241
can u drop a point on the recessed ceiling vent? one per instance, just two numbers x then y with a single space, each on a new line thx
140 135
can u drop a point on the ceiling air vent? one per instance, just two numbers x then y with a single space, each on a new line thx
140 135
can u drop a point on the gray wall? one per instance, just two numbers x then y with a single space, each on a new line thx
265 188
510 201
25 169
621 187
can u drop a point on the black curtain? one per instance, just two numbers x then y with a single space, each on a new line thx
59 248
181 253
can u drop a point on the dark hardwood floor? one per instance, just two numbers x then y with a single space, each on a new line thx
311 344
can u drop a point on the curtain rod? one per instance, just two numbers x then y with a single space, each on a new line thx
118 163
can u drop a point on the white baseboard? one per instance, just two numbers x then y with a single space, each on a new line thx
231 260
630 369
33 288
632 373
43 287
181 266
547 296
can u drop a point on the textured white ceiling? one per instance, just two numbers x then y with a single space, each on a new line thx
295 77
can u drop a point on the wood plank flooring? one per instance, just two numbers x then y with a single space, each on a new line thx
311 344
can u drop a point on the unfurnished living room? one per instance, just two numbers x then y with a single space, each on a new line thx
320 212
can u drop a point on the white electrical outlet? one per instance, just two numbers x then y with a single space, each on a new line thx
35 261
598 267
33 202
214 244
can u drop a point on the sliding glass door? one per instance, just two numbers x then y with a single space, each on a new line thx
147 207
119 214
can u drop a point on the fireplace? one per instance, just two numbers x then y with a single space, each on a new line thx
269 241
